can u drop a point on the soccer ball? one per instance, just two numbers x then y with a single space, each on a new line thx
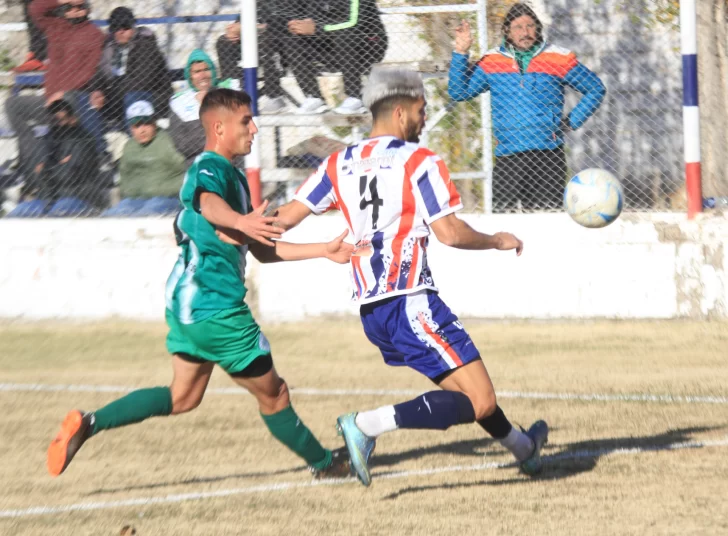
593 198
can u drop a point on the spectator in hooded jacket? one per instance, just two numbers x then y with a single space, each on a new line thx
184 119
132 67
527 78
74 51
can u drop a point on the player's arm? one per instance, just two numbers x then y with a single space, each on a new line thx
291 214
454 232
254 225
337 250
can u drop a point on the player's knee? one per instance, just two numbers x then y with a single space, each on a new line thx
484 404
184 403
276 401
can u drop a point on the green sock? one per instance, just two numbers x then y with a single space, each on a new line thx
287 428
134 407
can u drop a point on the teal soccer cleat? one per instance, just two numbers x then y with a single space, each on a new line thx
539 434
360 446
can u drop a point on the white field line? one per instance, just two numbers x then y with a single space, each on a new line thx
306 391
284 486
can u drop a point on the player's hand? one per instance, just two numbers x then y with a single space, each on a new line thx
507 241
231 236
339 251
463 38
258 227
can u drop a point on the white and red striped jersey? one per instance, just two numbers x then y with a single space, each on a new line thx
389 191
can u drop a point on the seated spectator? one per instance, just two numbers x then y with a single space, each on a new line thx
343 36
229 53
74 50
132 67
184 124
151 169
38 50
65 176
229 56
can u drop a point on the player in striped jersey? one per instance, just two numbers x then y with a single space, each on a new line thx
392 193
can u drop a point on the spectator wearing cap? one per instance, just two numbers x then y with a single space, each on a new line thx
65 176
74 51
132 67
151 169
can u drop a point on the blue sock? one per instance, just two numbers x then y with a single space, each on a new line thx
436 410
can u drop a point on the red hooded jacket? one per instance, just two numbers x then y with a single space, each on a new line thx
74 50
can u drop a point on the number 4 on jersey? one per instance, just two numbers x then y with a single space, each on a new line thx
374 200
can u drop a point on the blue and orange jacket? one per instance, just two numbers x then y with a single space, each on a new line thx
527 107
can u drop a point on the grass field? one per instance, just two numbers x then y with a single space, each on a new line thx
615 464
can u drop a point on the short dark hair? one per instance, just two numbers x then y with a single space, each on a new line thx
387 105
518 10
228 99
61 106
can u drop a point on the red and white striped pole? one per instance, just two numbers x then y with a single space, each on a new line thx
691 112
249 42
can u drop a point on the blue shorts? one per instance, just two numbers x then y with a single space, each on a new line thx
418 331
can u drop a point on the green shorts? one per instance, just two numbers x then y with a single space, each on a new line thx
230 338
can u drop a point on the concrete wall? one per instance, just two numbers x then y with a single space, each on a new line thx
657 266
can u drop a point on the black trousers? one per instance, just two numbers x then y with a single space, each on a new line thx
350 52
536 179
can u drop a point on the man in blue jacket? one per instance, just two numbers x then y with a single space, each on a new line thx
527 78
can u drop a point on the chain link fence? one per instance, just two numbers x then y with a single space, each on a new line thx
101 115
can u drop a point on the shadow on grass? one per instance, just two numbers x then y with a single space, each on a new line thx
196 480
569 460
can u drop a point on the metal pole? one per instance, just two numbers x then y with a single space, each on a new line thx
486 131
249 44
691 112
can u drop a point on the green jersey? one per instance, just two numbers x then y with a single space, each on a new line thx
209 275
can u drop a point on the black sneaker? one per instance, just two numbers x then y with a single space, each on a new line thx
339 468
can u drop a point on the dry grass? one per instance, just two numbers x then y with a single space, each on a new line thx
224 446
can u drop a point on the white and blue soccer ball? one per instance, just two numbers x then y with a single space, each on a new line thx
594 198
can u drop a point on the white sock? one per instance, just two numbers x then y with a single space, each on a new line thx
377 421
518 443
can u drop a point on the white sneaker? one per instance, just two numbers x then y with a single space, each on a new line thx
350 106
312 105
273 106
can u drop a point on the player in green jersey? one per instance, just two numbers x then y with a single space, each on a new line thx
209 322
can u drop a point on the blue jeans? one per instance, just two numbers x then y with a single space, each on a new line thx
91 119
137 207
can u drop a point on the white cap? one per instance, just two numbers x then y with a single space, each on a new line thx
140 108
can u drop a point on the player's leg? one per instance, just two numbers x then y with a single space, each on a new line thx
234 340
421 332
184 394
261 380
191 375
474 381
